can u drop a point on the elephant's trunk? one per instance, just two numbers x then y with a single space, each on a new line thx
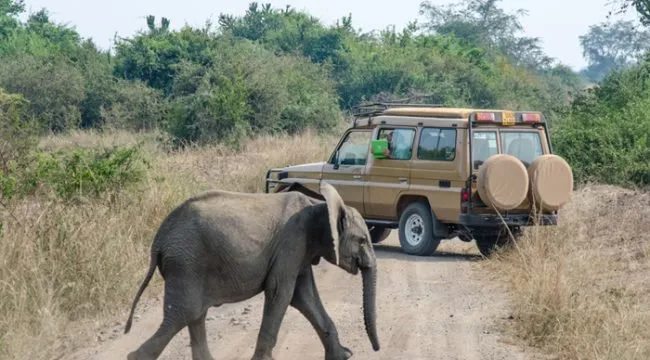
369 277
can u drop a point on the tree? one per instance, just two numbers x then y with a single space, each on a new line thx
642 7
482 23
610 47
9 11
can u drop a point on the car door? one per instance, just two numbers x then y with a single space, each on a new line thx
388 178
346 168
434 170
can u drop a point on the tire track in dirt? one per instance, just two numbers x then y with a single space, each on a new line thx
434 307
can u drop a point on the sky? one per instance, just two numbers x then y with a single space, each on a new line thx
558 23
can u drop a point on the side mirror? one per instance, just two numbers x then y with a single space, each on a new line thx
377 147
336 160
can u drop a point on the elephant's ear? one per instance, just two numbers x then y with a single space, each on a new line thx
336 214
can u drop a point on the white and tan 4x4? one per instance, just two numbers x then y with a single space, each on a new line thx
414 168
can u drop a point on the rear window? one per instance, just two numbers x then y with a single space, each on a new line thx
524 145
483 146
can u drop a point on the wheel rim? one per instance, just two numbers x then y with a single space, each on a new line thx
414 229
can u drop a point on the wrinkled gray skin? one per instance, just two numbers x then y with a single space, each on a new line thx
222 247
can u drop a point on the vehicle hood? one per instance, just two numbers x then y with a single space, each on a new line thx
311 167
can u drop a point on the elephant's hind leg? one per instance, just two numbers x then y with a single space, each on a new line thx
307 301
179 306
154 346
198 339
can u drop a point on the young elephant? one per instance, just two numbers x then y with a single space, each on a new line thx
222 247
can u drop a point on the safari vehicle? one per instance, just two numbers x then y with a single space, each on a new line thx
413 168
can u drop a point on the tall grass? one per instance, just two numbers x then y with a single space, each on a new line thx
74 263
581 288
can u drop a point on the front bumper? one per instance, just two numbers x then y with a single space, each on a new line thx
270 183
493 220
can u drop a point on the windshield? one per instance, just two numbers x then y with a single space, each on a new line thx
524 145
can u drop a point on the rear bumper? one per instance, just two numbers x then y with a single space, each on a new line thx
493 220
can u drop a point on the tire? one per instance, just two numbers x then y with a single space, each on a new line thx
416 230
488 243
378 234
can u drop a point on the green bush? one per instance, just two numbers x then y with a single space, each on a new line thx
135 106
605 134
88 172
249 90
70 174
54 88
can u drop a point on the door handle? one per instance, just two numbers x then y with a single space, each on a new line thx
403 179
356 176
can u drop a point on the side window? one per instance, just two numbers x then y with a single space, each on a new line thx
437 144
400 142
483 146
354 149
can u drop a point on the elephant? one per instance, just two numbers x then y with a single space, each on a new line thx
222 247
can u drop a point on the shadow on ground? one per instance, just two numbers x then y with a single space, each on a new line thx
385 251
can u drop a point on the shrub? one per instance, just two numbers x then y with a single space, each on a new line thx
54 88
86 172
605 135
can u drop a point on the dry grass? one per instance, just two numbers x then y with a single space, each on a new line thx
65 268
581 289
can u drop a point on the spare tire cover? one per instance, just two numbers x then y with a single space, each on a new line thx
551 182
502 182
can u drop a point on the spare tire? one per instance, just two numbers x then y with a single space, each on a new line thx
551 182
503 182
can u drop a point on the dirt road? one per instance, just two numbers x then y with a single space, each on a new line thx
438 307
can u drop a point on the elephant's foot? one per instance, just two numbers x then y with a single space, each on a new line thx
136 355
341 353
262 357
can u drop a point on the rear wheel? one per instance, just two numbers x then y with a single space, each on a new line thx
378 233
489 242
416 230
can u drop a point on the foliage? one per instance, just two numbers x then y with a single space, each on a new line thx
76 173
86 172
605 134
270 70
54 88
282 71
642 7
17 131
482 23
611 47
135 106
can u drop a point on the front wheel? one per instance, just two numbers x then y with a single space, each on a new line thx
416 230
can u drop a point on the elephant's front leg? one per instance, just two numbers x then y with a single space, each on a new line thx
308 302
277 297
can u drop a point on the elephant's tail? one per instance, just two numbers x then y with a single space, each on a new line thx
152 268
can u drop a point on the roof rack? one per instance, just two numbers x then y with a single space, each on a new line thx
378 107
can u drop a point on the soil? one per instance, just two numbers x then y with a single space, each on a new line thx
437 307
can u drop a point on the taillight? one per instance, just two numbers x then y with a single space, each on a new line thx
464 198
464 195
531 118
485 116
